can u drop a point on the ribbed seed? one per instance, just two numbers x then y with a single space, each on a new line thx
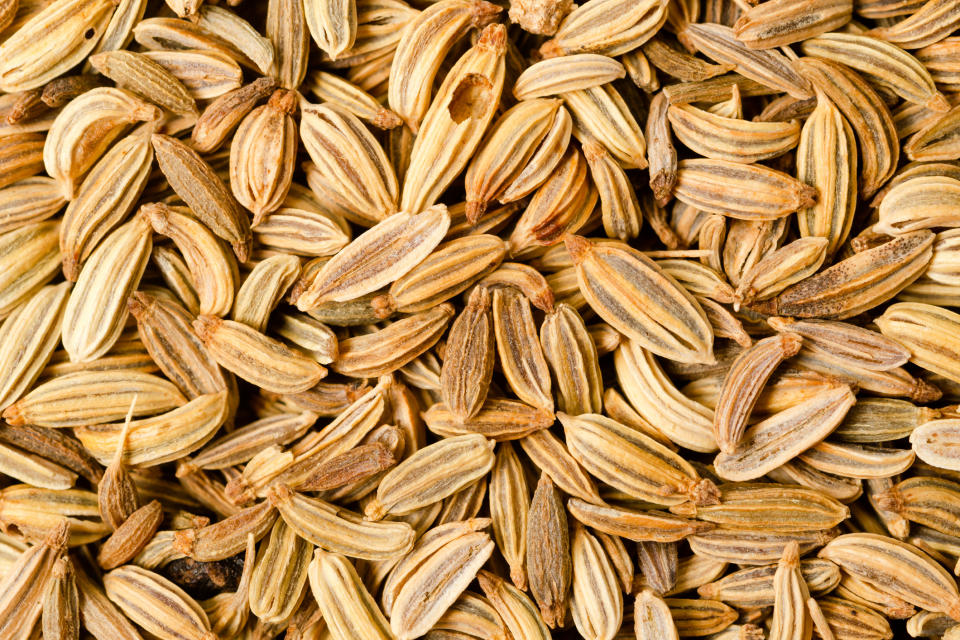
165 329
517 143
201 188
918 203
678 63
516 609
205 74
769 68
61 604
933 442
602 114
305 232
572 354
640 526
263 289
867 115
770 507
883 63
162 438
370 261
652 619
743 384
423 46
212 268
936 140
747 192
785 22
446 272
700 617
131 536
892 382
861 347
681 420
227 537
524 278
554 76
388 349
28 257
847 619
431 474
456 120
156 604
857 460
223 115
341 531
509 506
50 42
827 162
712 136
439 578
52 446
28 338
468 366
96 311
263 155
790 619
776 440
633 462
929 24
612 277
65 401
754 587
279 574
608 27
896 567
925 500
28 201
561 204
23 588
661 153
549 564
927 331
521 356
747 547
596 603
142 75
331 88
857 283
256 357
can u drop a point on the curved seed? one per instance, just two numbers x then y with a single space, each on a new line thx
885 64
897 568
778 439
97 309
743 384
255 357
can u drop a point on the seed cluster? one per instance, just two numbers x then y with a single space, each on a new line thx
479 319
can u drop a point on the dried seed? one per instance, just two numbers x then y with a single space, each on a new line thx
897 568
743 384
156 604
431 474
549 563
204 192
778 439
633 462
256 357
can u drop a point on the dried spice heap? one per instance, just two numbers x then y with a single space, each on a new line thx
479 320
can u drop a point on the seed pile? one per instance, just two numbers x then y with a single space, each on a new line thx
479 320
